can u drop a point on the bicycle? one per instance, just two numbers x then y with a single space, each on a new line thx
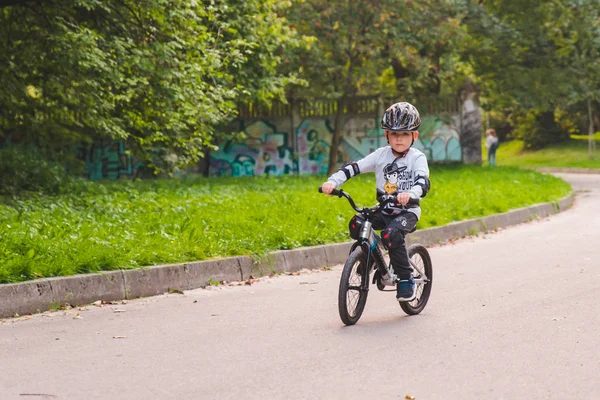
367 254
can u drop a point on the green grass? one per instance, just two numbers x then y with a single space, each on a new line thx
118 225
573 154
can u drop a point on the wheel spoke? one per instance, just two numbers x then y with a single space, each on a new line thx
422 272
352 298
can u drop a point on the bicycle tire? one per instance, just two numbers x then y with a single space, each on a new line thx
352 297
419 255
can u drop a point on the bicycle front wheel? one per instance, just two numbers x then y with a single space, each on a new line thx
354 285
423 274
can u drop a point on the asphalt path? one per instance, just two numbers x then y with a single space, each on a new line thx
513 315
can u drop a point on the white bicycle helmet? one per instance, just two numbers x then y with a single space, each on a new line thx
401 116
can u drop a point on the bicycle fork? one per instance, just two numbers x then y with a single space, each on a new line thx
373 248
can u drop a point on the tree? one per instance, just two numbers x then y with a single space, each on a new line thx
372 46
580 44
163 75
536 59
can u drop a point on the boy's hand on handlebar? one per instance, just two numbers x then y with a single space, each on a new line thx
403 198
327 187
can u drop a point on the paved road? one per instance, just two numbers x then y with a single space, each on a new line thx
513 315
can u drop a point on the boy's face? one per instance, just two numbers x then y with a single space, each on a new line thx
400 141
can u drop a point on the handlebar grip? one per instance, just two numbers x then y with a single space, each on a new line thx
392 200
414 201
334 192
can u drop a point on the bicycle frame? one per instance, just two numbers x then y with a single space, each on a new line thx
372 246
351 305
371 242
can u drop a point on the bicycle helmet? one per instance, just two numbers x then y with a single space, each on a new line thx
401 116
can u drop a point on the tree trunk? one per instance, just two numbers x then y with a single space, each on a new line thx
205 163
337 134
400 72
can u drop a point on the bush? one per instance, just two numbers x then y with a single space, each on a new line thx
538 129
500 121
24 170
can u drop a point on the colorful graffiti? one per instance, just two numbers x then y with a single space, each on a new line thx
264 152
107 160
314 142
439 140
361 137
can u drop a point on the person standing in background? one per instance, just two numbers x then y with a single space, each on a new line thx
491 142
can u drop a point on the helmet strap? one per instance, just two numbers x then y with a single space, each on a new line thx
400 155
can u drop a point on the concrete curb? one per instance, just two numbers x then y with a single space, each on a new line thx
44 294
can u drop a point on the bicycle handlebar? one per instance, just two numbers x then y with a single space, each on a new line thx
335 192
340 193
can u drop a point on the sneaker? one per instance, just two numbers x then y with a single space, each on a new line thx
406 289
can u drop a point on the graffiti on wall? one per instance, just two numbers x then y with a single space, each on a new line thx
361 137
264 151
314 142
107 160
439 139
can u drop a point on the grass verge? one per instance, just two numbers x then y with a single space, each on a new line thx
118 225
572 154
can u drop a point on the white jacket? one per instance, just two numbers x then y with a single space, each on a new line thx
392 174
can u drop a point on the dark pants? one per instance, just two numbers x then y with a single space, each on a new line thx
393 230
492 156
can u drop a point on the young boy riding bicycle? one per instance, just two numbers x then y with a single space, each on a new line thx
401 173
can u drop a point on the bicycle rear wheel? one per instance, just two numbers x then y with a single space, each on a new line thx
354 284
420 257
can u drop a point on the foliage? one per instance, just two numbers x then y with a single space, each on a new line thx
374 47
128 225
165 75
538 129
535 59
168 75
511 53
27 170
571 154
